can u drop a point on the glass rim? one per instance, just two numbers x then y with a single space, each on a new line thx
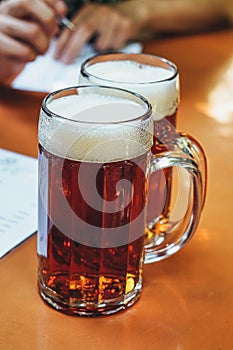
85 73
146 115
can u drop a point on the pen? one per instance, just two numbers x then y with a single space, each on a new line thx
65 22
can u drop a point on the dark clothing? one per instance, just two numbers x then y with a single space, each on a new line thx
74 5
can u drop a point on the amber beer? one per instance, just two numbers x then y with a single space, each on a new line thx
92 202
157 79
80 272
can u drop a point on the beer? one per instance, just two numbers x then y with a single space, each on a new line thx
92 202
156 79
160 182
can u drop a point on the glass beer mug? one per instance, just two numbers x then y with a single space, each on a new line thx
94 162
158 80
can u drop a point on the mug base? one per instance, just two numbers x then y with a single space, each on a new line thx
89 309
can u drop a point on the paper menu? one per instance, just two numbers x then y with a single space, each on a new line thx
18 199
46 74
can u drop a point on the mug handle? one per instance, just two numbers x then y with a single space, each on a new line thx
187 226
190 146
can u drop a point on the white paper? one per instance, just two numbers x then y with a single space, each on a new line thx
46 74
18 199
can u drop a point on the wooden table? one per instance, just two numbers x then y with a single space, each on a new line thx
187 299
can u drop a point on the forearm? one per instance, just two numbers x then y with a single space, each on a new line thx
173 15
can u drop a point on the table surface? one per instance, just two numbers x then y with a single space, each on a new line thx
187 300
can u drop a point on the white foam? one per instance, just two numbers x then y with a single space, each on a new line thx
129 71
155 83
95 127
94 108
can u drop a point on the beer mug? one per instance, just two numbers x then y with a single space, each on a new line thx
157 79
94 162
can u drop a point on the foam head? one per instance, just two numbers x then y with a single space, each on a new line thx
95 128
158 84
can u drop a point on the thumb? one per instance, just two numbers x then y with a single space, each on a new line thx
60 8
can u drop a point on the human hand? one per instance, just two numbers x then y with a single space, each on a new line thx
26 28
110 28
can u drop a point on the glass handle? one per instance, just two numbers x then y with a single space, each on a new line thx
190 146
187 226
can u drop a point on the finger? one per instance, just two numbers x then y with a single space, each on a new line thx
13 48
60 8
105 39
119 31
122 34
74 45
27 32
62 42
37 10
